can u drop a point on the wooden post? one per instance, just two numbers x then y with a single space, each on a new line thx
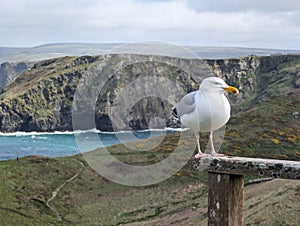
225 199
226 183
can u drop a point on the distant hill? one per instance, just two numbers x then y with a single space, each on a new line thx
10 50
49 51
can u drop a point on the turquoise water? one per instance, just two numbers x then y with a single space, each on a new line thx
18 145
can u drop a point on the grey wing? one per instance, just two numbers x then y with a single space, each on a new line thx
187 104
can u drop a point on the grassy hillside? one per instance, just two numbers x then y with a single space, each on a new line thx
27 186
268 125
268 130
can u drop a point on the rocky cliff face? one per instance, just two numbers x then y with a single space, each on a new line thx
240 73
10 71
42 99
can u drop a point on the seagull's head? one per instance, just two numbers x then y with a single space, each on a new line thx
216 85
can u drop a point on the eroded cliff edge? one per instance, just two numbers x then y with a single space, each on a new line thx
41 99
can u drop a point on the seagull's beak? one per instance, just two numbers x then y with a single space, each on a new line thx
231 89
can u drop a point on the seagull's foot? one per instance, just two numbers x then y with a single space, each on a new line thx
217 154
201 155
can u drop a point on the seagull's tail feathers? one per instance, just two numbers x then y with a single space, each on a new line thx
174 113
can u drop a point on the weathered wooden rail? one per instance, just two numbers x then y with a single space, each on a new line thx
226 183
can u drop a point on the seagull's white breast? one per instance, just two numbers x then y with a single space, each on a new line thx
212 111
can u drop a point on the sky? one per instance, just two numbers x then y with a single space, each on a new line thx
241 23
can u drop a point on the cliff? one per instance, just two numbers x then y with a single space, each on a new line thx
10 71
41 99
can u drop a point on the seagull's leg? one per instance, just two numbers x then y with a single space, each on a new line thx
200 153
198 141
212 148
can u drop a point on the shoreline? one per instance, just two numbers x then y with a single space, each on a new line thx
23 133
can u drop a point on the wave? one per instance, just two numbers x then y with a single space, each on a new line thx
35 133
166 129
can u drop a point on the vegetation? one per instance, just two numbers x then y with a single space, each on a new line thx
67 191
268 130
89 199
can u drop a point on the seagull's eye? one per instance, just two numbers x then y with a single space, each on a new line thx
216 83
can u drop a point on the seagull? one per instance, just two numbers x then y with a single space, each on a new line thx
205 110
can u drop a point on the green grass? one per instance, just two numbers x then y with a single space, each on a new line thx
42 76
268 130
26 185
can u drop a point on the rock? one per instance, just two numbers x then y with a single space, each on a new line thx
297 80
296 114
41 99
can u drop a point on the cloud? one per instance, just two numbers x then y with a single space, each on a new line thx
244 5
225 22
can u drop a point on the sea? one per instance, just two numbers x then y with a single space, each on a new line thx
59 144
